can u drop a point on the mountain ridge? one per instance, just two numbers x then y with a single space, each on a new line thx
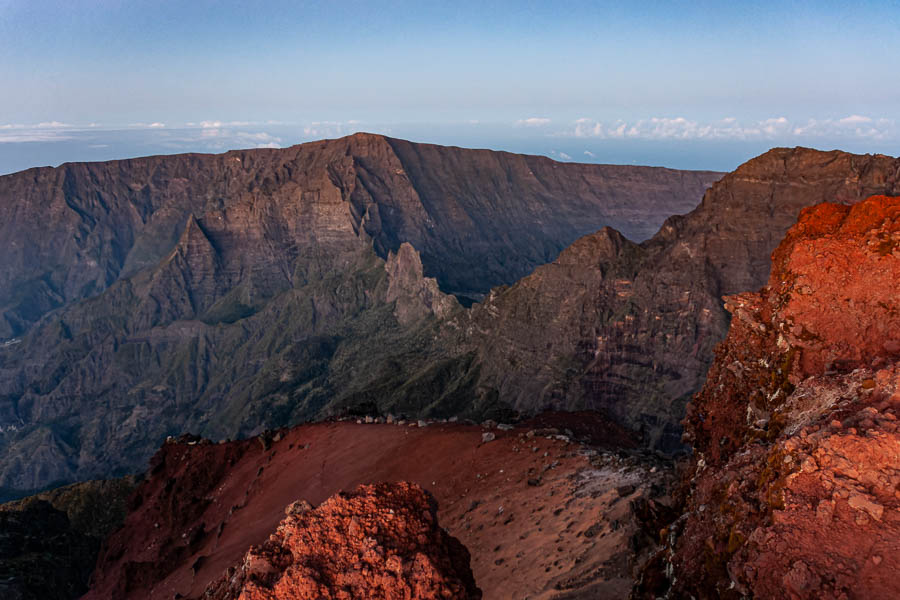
225 294
276 307
102 221
636 345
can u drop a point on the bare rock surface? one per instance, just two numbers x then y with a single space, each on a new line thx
540 517
794 492
293 291
630 329
480 218
227 294
379 541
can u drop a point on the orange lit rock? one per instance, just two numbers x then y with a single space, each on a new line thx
794 490
378 542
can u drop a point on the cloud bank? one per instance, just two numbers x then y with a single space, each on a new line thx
532 122
730 128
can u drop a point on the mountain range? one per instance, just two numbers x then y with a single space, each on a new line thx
230 294
227 294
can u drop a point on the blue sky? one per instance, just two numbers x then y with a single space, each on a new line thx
684 84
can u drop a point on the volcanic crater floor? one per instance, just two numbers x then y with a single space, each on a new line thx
543 516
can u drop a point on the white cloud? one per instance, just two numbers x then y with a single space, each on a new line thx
590 154
52 125
564 156
220 135
532 122
33 135
855 120
328 129
258 137
142 125
587 128
215 124
51 131
773 128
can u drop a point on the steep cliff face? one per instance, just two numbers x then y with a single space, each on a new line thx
509 213
293 297
629 328
795 487
479 218
231 293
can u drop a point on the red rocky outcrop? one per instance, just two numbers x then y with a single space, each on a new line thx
379 542
542 516
796 487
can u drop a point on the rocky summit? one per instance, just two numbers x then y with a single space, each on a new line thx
794 486
630 329
791 491
378 541
273 306
540 514
478 218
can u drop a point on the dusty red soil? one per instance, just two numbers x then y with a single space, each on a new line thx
380 542
796 487
540 517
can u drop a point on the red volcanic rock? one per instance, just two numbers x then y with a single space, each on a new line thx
631 329
796 487
378 542
541 516
831 305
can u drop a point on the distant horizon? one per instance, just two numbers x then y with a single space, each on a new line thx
52 145
700 85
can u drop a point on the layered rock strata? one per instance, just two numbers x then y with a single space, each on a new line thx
228 294
630 329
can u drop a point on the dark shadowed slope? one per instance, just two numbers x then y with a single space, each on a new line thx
226 294
629 328
479 218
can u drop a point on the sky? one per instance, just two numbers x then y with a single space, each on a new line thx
682 84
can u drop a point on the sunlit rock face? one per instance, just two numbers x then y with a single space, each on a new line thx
538 512
797 465
379 541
